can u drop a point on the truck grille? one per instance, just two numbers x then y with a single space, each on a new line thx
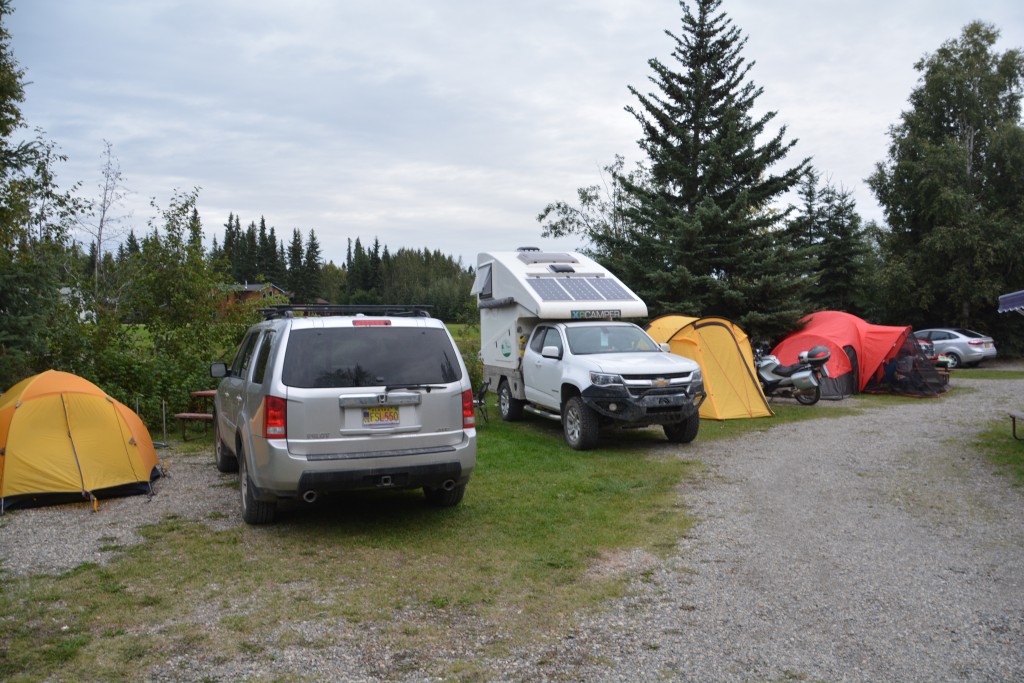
648 385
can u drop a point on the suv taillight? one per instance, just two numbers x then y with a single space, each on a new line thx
275 418
468 410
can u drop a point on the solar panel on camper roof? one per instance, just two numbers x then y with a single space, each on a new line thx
610 289
548 290
580 290
545 257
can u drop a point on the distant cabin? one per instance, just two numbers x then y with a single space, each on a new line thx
247 292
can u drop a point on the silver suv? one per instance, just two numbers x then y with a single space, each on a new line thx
344 398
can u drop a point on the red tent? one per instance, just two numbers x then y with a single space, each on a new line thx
859 351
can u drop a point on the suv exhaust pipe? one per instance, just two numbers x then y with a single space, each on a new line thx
448 485
309 496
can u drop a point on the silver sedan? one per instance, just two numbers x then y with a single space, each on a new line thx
962 347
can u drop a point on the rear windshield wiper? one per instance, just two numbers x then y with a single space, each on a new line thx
425 387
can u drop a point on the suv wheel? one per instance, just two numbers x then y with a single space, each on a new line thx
580 425
253 511
438 497
511 408
226 462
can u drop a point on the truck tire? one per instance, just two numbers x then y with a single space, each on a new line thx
580 425
511 408
685 431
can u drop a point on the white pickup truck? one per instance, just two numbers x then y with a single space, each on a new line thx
553 344
591 373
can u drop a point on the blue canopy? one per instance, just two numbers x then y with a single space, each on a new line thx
1012 302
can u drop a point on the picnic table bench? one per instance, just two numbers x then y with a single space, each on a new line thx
206 418
1014 416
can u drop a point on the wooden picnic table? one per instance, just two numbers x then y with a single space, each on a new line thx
205 417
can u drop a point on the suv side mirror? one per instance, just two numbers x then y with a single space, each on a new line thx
665 347
218 370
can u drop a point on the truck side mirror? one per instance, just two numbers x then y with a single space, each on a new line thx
218 370
551 352
665 347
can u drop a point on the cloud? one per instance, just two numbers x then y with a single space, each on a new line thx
443 125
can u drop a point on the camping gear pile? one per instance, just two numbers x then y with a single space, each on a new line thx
62 439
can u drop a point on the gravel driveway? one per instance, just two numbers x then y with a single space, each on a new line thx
874 547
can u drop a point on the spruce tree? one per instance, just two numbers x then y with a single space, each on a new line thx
295 274
843 255
699 236
311 268
244 264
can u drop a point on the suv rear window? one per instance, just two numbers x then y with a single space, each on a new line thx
369 357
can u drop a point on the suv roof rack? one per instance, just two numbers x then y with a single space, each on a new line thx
290 310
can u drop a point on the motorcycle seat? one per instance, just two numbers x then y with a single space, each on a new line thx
788 370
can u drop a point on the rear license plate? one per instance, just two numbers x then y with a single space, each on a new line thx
988 345
380 416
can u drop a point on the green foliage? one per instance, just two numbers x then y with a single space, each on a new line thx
952 187
152 345
467 339
35 217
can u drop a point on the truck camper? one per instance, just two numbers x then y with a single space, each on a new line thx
554 343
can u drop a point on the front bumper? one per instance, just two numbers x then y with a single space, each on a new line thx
653 407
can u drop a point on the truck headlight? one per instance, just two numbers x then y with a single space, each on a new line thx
600 379
697 376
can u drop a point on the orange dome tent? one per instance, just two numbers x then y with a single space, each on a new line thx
63 439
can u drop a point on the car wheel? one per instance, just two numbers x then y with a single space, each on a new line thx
685 431
511 408
253 511
580 425
439 497
954 360
226 462
809 398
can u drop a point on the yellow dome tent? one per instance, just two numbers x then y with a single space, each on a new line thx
63 439
723 351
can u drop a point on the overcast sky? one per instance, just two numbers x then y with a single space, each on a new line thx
439 124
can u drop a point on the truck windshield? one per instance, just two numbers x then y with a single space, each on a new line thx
609 339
